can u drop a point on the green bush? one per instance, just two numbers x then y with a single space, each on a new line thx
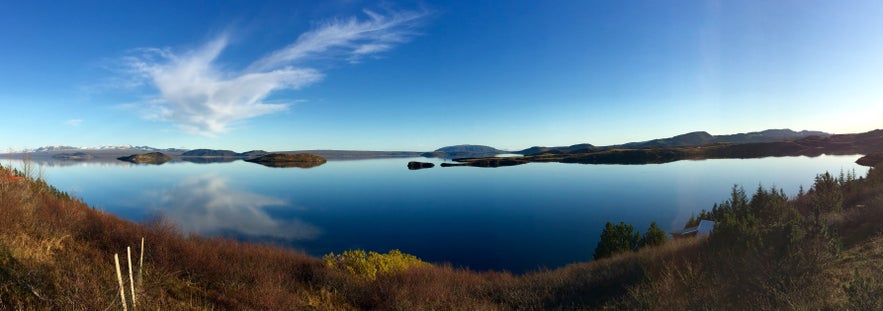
369 264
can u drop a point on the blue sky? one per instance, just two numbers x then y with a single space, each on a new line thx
289 75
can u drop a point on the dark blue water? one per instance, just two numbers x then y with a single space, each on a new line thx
514 218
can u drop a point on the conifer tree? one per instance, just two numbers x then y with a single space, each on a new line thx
616 239
653 237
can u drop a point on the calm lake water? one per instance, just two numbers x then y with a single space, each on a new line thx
513 218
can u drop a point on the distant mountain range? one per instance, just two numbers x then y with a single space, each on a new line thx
63 152
703 138
223 153
693 139
700 145
63 148
463 151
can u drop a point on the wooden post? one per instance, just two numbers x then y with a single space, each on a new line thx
141 264
131 281
116 259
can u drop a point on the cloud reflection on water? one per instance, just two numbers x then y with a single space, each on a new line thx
208 205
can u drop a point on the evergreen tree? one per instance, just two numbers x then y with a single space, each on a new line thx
827 196
653 237
616 239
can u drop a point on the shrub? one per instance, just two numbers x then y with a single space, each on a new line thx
369 264
864 293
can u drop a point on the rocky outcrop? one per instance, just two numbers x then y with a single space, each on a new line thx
147 158
414 165
301 160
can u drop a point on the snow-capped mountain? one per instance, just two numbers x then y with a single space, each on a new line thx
57 148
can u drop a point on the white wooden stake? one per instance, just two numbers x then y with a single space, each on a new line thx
141 264
116 259
131 281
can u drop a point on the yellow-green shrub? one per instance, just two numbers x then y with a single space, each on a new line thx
369 264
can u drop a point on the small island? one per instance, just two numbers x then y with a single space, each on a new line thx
487 162
301 160
147 158
414 165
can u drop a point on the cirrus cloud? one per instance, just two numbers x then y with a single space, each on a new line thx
202 97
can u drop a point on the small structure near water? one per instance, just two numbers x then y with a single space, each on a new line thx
703 229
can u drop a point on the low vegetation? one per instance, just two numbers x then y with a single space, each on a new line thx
820 250
368 265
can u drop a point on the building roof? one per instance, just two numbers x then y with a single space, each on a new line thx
704 228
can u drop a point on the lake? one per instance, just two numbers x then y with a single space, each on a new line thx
517 218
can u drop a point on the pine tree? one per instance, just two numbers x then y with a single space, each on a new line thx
653 237
616 239
827 196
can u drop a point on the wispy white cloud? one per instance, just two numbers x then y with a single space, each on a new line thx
352 38
73 122
205 98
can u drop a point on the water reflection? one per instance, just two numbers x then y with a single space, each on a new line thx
203 160
208 205
58 163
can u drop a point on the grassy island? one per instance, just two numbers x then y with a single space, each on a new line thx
301 160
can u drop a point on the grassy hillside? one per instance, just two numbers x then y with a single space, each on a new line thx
820 250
